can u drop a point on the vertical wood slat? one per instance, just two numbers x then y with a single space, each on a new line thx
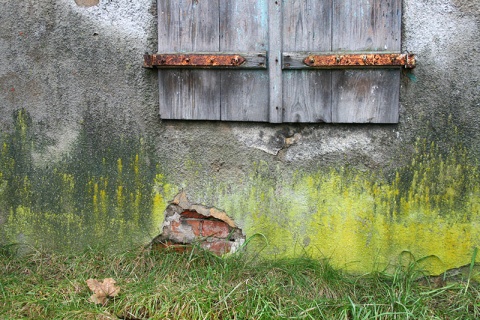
363 96
188 26
275 60
294 96
306 94
366 95
244 28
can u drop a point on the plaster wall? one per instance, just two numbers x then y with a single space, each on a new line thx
86 160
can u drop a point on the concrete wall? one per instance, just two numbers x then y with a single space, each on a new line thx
85 159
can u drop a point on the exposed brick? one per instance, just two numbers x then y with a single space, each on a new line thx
218 247
182 231
215 228
190 214
187 225
196 226
175 228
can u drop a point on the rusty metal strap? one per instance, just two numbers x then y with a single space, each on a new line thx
291 60
298 60
205 60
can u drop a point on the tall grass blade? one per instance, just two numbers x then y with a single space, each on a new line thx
470 270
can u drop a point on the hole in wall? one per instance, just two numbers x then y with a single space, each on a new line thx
187 224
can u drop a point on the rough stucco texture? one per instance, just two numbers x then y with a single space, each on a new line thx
86 160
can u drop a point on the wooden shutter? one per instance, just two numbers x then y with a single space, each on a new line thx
358 95
307 27
213 26
286 89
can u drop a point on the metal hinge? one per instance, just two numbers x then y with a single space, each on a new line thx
291 60
308 60
206 60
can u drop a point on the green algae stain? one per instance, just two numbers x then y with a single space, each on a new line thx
109 190
162 193
101 193
362 220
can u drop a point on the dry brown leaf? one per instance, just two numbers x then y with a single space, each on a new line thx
102 290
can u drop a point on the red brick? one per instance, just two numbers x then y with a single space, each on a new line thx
182 230
196 226
218 247
175 227
215 228
188 214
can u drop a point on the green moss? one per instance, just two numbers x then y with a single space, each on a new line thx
111 190
101 194
362 220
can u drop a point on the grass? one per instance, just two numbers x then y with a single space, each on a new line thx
199 285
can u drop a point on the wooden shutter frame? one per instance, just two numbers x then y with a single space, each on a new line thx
279 60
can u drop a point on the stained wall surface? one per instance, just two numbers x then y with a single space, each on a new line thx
86 160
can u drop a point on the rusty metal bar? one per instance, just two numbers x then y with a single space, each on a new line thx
361 60
297 60
205 60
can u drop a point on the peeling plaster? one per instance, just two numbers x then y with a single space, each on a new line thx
265 139
357 142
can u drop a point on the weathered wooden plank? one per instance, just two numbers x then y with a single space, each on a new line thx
189 95
306 27
275 61
367 25
244 28
308 97
189 26
245 95
366 96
